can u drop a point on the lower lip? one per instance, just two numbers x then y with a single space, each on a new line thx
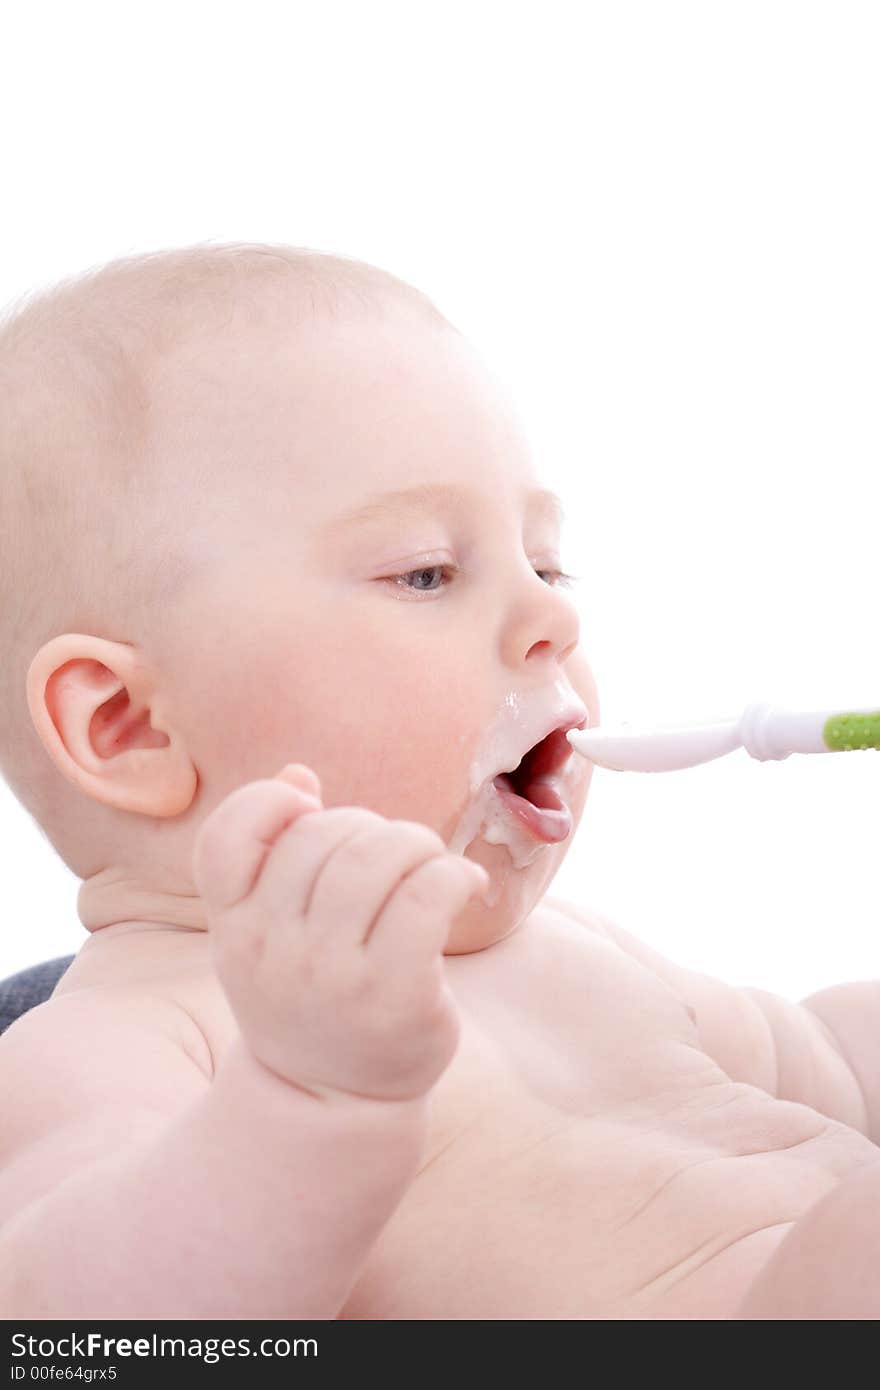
549 822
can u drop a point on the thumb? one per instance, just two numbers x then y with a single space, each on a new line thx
301 777
236 838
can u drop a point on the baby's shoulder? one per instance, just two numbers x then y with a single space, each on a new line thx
109 1057
137 986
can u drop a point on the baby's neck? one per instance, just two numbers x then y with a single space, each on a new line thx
113 898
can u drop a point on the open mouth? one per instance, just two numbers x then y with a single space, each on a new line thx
531 792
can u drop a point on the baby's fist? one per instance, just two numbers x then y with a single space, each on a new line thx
328 929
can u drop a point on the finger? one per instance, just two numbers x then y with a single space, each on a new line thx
234 841
291 874
360 876
415 924
303 778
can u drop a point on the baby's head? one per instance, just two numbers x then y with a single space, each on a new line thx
198 583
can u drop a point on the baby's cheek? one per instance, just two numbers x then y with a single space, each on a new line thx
416 776
394 750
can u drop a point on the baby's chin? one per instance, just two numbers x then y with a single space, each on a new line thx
520 866
512 894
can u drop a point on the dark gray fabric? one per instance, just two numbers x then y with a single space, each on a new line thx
29 987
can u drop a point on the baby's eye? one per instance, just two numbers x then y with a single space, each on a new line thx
422 578
563 581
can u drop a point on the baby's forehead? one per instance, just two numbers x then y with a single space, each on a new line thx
376 394
241 399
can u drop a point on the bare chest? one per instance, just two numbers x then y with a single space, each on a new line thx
587 1159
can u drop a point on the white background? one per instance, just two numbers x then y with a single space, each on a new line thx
660 224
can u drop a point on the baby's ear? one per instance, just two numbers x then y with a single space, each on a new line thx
302 777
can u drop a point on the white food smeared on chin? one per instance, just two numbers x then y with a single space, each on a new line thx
498 810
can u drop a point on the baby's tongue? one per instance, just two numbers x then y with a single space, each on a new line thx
540 809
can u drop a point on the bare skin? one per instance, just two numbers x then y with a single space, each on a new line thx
614 1137
586 1157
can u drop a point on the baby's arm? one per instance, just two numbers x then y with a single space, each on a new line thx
823 1052
131 1187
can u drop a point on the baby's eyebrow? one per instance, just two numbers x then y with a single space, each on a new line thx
433 496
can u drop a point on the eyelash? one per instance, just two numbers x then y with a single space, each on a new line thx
564 581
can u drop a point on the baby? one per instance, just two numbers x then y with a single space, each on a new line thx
287 668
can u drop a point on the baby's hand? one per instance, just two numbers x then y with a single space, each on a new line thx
328 929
